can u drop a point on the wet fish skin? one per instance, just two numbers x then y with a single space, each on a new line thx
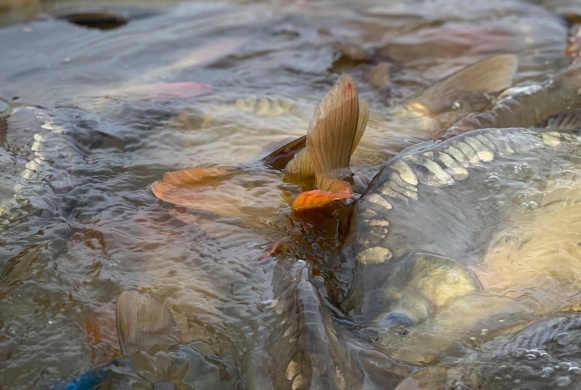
536 356
528 107
381 223
307 348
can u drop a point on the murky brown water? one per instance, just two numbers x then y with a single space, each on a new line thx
89 120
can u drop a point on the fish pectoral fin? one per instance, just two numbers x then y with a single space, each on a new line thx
196 175
191 188
471 82
336 127
144 324
318 198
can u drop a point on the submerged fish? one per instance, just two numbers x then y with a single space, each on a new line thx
153 356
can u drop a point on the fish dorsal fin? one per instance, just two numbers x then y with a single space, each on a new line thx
144 324
332 131
563 121
472 82
429 378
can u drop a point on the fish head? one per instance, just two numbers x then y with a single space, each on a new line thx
416 287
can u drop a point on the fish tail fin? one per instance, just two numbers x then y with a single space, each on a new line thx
334 133
335 127
474 81
361 123
144 323
300 167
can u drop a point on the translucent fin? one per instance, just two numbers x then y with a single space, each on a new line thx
226 202
332 184
317 198
431 378
361 123
285 154
185 188
194 175
564 121
331 134
472 82
144 324
300 167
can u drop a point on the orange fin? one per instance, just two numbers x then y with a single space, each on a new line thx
317 198
196 175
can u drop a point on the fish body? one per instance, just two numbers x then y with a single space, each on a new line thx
421 230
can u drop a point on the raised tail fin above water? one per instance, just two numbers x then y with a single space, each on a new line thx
335 130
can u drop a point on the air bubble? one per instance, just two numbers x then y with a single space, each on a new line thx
519 353
546 372
563 338
512 240
452 278
563 381
493 179
564 366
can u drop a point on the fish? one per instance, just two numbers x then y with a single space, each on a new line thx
526 106
153 355
421 234
472 85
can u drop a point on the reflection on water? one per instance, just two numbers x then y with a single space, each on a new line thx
91 117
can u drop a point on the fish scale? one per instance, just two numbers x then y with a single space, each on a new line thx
453 197
52 154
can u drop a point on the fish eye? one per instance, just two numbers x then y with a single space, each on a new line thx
396 319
